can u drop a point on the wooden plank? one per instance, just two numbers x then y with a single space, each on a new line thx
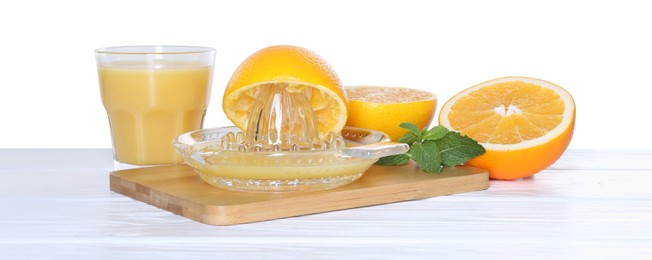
178 189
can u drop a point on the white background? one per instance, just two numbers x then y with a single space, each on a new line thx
600 51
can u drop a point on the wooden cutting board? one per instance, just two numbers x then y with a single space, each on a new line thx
178 189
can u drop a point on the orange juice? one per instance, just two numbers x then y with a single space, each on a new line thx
278 173
283 168
150 103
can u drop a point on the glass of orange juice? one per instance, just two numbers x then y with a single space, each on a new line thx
152 94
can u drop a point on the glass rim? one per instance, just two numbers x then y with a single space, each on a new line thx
154 49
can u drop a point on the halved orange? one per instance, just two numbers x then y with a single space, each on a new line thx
524 124
385 108
298 70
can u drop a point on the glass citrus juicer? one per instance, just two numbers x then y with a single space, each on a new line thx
282 149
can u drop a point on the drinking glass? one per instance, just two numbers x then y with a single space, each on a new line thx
151 95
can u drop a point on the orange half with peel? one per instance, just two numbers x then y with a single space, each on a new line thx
385 108
298 70
525 124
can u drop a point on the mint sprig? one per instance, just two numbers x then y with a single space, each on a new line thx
434 149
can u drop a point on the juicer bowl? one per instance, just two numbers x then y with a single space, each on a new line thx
281 171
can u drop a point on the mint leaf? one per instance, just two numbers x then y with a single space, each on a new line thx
456 149
435 133
412 128
393 160
435 148
427 156
409 138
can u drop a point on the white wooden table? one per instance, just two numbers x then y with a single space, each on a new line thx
591 204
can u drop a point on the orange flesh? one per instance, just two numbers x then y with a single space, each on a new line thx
386 95
507 113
